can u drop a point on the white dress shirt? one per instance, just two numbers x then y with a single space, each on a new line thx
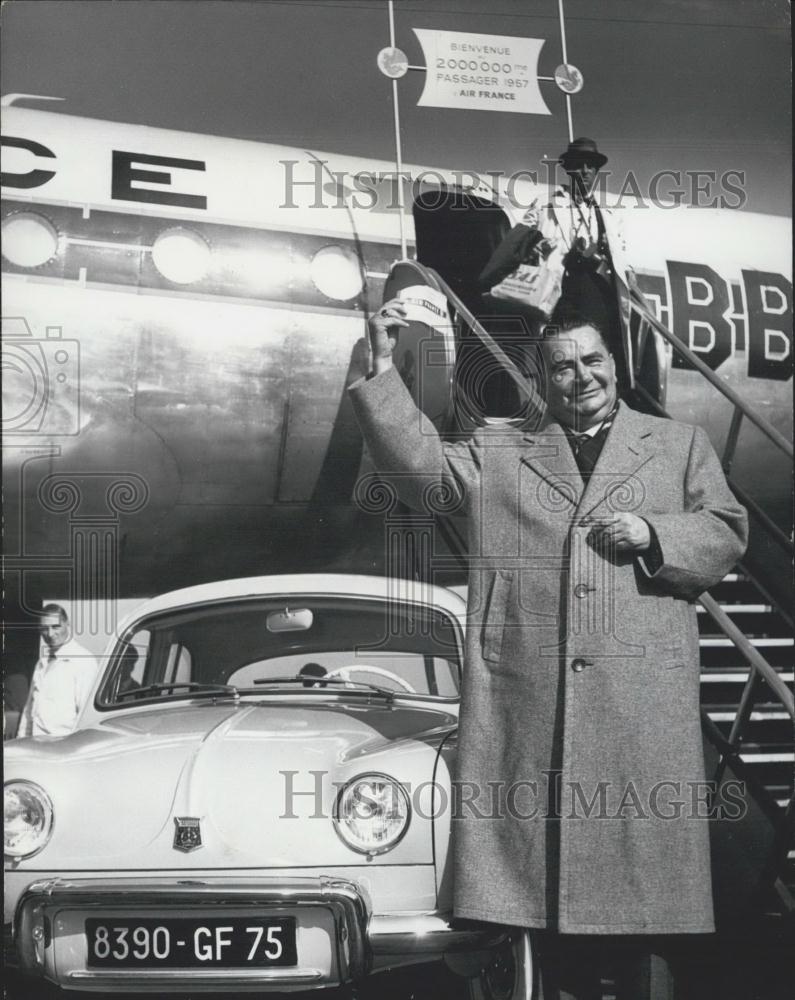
592 431
582 221
59 688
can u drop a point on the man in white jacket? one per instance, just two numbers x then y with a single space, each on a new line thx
62 679
558 252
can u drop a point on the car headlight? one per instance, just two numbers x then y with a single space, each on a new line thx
28 818
372 813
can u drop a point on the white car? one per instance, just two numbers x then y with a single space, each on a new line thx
257 797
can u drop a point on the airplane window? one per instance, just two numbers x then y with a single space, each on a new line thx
29 239
181 255
337 273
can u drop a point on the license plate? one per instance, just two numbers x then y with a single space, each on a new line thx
191 943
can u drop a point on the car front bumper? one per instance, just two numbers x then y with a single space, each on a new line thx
340 939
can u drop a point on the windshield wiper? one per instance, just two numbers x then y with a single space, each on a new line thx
191 686
321 682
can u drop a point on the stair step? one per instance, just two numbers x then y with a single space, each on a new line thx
766 747
735 587
757 715
736 675
771 770
767 757
737 609
722 689
764 753
761 730
728 656
753 620
753 627
760 706
766 642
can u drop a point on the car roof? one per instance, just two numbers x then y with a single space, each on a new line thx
331 584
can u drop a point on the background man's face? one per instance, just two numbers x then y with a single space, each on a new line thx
53 631
580 377
583 175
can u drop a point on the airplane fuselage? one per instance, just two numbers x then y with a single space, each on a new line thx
182 315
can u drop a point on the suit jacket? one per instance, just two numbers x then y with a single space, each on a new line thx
580 759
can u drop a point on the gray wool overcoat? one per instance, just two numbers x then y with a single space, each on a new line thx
580 769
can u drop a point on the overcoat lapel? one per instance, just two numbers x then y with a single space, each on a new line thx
628 449
548 453
619 470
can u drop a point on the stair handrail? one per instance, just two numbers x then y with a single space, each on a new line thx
639 303
729 748
641 306
757 662
742 495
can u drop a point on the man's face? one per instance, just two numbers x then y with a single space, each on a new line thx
583 176
581 378
53 631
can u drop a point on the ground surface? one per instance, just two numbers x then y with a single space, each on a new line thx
742 969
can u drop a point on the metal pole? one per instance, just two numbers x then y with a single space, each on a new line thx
398 148
565 60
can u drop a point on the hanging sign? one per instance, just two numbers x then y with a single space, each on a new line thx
481 72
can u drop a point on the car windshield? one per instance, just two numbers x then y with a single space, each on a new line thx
311 645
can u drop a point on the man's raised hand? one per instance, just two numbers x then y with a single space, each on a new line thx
384 326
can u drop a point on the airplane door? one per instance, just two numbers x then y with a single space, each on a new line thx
425 351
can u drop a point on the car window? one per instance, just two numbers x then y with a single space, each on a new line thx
400 647
178 663
131 666
423 674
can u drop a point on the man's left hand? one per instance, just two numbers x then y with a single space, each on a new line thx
621 532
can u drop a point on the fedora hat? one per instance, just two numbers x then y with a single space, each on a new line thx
582 149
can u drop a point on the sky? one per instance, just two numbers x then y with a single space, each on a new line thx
669 84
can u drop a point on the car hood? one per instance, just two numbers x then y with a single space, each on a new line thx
260 777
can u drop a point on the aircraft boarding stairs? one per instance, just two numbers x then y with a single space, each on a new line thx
766 747
746 642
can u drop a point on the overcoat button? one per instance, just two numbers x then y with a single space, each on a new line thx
582 590
580 664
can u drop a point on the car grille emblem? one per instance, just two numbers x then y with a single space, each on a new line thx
188 833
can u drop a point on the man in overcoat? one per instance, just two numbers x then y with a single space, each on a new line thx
580 769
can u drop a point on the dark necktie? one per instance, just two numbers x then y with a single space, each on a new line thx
587 448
